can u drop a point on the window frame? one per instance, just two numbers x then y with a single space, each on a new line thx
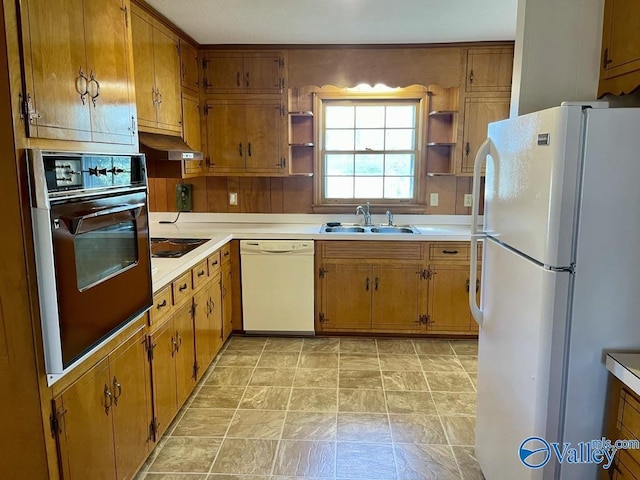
417 95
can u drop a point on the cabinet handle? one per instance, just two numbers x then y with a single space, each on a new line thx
237 79
606 61
154 95
214 263
163 304
471 76
247 80
117 388
376 284
249 149
240 149
182 287
93 80
467 150
224 291
450 252
226 254
366 287
133 125
174 346
200 273
108 400
83 91
477 285
159 97
179 343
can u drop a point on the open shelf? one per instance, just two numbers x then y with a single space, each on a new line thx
441 144
442 113
301 114
442 126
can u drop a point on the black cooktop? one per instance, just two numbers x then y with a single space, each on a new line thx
174 247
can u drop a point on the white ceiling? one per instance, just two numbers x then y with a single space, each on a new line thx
341 21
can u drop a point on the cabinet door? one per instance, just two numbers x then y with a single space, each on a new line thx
185 352
225 136
449 299
489 69
202 328
263 120
167 74
346 296
214 318
56 70
190 72
142 39
191 122
129 369
478 114
262 73
86 436
163 370
620 39
399 297
227 301
109 76
224 73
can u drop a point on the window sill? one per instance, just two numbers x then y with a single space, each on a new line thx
376 208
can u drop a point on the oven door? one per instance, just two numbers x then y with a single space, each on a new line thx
102 267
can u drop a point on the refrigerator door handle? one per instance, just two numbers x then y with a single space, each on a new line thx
484 150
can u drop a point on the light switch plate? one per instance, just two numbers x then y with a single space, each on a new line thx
233 198
468 200
433 199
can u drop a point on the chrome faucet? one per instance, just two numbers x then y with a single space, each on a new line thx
389 218
365 213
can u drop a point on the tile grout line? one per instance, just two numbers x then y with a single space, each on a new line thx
224 437
386 407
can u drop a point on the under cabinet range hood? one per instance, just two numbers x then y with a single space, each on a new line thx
166 147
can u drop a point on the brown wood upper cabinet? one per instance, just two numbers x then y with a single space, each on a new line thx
245 136
620 61
479 112
243 72
157 75
489 69
189 71
78 71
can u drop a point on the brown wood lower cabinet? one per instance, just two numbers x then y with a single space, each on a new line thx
623 423
208 323
393 287
103 418
227 300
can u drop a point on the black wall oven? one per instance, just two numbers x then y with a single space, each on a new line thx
91 233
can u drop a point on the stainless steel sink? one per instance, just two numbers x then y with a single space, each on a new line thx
370 229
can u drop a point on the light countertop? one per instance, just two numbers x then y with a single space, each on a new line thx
626 368
222 228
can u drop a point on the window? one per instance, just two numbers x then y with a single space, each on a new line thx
369 149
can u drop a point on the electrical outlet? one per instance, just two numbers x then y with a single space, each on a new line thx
233 198
468 200
433 199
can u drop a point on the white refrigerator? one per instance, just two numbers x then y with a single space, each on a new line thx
560 281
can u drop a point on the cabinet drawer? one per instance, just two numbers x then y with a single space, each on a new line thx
625 467
213 263
161 306
225 253
199 274
372 250
449 252
181 288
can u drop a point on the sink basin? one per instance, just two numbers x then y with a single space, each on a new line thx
344 229
370 229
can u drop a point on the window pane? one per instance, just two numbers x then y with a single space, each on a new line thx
369 165
398 187
368 187
370 140
339 140
370 117
339 164
399 164
401 117
339 117
399 140
339 187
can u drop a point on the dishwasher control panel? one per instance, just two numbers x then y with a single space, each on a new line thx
276 246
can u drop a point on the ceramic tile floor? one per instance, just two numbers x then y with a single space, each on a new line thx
327 408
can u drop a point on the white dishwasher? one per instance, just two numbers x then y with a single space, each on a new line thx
277 286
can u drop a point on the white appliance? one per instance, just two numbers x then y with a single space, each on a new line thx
277 286
560 285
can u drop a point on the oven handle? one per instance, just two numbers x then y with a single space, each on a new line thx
76 222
